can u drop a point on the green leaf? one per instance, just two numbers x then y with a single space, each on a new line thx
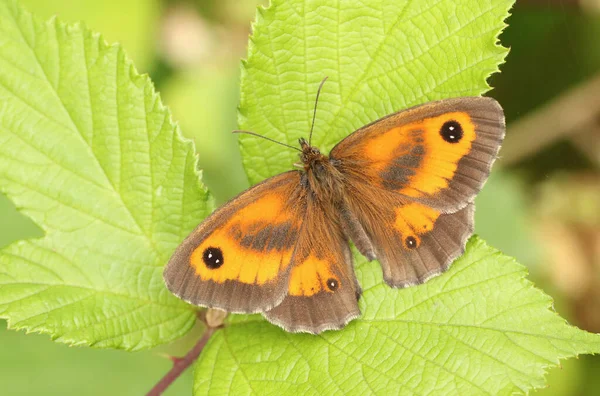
15 226
380 56
481 327
89 153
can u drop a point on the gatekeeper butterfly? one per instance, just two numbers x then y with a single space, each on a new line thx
401 189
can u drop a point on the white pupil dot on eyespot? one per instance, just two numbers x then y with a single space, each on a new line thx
217 261
209 255
451 128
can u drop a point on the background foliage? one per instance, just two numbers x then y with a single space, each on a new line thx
197 76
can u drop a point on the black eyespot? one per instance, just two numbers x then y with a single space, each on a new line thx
451 131
332 284
213 257
411 242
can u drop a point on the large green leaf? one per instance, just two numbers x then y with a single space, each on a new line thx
481 328
90 154
15 226
380 56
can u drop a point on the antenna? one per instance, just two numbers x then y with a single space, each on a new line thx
315 110
267 138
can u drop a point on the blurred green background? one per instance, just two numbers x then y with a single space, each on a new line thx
541 205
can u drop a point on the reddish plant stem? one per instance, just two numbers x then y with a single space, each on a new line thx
181 364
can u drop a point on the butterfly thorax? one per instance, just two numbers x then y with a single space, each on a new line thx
323 178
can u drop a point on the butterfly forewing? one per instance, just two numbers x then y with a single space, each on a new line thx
439 154
238 258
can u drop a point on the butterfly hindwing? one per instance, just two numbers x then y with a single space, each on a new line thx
412 241
322 289
238 258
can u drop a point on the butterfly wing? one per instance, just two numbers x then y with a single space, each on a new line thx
411 179
322 289
439 154
413 242
238 258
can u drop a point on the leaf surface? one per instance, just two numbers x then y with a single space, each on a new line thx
90 154
481 328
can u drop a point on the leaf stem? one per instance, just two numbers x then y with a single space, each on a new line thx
181 364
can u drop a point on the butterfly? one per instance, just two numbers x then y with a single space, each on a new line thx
401 189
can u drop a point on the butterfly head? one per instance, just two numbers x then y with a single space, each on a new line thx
310 154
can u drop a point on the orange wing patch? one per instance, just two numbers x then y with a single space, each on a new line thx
413 220
260 236
420 158
442 152
312 276
322 290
